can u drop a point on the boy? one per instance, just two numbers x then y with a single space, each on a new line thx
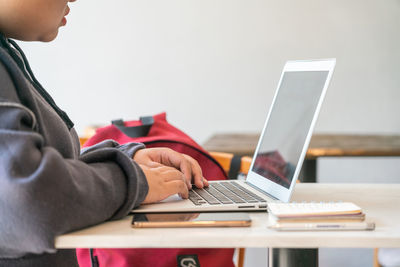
47 186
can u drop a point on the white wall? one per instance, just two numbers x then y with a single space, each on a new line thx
213 65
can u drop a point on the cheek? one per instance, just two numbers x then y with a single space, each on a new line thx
51 12
48 24
32 20
41 28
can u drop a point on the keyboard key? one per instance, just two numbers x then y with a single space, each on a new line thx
228 193
249 192
221 197
206 196
196 199
239 192
194 196
225 193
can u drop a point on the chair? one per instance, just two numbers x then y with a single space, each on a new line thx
82 140
88 132
225 159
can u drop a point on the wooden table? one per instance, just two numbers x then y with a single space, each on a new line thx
321 145
379 201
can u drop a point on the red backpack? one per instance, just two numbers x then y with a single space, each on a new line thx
155 131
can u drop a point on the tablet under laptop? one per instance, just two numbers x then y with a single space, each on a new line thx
280 151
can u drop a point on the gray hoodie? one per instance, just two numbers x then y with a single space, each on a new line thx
47 186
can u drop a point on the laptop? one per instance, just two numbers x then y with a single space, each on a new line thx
280 151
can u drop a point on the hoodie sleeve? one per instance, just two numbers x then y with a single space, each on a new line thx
129 149
44 194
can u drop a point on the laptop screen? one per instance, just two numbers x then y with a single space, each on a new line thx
288 125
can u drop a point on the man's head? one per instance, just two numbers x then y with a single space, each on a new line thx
32 20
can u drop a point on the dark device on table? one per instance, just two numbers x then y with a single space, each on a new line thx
191 219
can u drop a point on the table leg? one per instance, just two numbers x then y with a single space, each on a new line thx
290 257
308 173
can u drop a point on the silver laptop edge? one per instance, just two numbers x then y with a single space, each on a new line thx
327 65
260 185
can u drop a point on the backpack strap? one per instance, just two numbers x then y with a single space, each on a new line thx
235 167
135 131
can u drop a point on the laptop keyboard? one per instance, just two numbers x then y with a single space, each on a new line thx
223 193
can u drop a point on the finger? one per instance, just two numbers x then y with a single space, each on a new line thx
177 160
197 173
186 169
171 174
177 187
153 164
205 182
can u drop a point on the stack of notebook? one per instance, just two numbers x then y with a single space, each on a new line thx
317 216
